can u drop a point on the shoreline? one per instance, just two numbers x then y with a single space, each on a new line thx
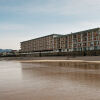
83 59
77 62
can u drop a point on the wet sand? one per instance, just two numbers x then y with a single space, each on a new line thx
85 58
49 81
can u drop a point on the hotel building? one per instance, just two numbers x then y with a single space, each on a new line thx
80 41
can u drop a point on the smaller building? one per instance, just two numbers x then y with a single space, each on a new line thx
41 44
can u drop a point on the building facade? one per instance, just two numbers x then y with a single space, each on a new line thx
63 43
79 41
41 44
85 40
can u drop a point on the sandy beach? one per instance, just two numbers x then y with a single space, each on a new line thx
95 59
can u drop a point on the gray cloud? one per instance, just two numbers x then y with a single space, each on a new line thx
63 7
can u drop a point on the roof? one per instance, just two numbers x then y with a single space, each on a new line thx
89 30
43 37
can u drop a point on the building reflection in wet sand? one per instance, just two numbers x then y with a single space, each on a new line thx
86 75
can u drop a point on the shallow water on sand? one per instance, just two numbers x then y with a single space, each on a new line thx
28 81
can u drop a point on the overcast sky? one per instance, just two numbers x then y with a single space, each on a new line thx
22 20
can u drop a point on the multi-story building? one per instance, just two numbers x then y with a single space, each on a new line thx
79 41
85 40
45 43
